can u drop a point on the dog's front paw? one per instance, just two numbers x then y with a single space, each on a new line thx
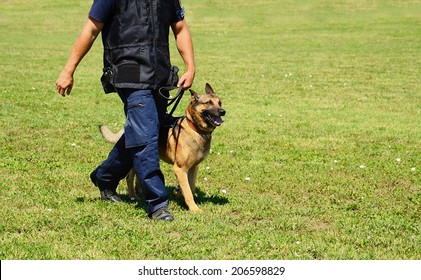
195 210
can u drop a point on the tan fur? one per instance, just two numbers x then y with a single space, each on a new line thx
185 145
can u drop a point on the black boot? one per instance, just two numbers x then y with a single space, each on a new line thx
162 214
106 194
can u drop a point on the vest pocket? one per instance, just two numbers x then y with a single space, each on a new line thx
127 72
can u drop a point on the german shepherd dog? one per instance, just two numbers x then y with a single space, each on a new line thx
184 144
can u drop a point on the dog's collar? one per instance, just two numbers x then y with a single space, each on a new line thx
195 128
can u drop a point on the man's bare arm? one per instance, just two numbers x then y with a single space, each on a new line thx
81 47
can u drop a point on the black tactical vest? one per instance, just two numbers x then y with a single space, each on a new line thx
135 39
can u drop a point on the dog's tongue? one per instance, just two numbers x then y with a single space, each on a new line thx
217 120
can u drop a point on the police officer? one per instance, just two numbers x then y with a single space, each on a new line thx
135 37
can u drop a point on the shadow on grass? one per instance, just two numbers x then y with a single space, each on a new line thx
200 198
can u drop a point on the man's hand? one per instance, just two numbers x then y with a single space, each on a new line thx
186 80
64 83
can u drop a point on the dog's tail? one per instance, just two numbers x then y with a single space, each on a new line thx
109 135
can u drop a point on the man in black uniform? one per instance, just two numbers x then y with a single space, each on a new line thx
136 64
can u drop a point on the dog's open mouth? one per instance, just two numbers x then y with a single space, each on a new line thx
214 120
217 120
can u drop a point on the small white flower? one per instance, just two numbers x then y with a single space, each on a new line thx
224 191
398 160
362 166
219 153
247 178
335 161
73 144
298 242
413 236
412 168
205 179
207 167
231 151
49 209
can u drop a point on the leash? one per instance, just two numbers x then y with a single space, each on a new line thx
177 98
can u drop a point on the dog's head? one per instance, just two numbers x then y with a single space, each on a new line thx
206 110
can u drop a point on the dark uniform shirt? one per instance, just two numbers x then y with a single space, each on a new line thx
101 10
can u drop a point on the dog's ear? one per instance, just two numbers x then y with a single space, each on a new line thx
208 89
194 95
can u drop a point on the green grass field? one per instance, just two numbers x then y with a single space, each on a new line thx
319 156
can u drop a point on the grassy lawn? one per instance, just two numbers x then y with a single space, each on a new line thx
319 156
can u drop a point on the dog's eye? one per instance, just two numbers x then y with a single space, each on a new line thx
209 103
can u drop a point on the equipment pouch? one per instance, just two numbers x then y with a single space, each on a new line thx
173 76
107 80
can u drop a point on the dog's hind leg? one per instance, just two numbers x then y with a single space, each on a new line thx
138 187
130 180
183 180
